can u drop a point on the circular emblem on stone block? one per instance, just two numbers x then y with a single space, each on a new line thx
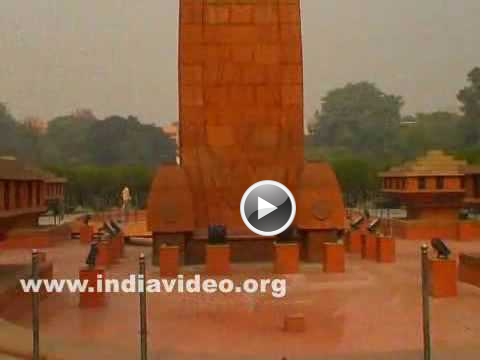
321 210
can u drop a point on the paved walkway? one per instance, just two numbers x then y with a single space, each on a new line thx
372 312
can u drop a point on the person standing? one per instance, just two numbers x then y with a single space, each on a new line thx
126 200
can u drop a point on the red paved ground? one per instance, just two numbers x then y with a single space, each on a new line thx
371 312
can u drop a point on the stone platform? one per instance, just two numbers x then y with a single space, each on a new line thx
245 248
38 237
373 312
13 301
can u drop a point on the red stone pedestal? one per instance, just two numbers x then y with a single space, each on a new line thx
443 278
86 234
117 247
218 259
104 254
294 323
385 249
169 261
334 260
92 299
469 269
287 258
369 246
354 243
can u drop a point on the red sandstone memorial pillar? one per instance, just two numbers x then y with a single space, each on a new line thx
92 299
443 278
240 121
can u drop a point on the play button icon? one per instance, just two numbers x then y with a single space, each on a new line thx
268 208
265 208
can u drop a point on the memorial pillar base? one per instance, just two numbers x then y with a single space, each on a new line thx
169 261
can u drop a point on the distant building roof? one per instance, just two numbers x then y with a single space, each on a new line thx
434 163
12 169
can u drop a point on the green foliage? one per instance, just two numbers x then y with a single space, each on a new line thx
426 131
360 131
66 140
81 139
471 154
8 132
470 99
113 141
98 157
357 175
118 140
358 117
99 188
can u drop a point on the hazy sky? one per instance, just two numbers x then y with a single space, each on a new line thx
120 56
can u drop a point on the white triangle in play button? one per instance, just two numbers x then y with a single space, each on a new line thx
265 208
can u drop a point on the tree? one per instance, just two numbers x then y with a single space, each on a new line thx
358 117
427 131
8 132
470 99
357 175
126 141
66 140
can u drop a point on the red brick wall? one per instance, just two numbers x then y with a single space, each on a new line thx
449 214
428 229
